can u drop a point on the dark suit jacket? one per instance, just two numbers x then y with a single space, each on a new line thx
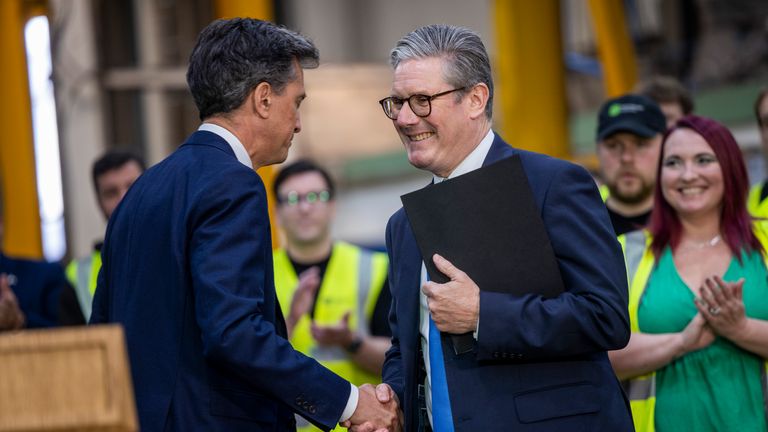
187 269
39 287
538 365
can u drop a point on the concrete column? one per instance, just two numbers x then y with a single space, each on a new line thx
81 119
153 99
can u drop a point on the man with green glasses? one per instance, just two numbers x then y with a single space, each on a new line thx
334 295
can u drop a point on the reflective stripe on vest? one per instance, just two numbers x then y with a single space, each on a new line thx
755 206
83 275
642 389
640 261
604 192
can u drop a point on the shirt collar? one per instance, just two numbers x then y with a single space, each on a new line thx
474 160
240 153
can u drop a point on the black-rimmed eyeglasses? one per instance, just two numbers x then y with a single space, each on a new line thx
420 104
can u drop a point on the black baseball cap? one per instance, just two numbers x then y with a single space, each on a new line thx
631 113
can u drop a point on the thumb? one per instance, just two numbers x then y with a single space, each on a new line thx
345 319
698 320
446 267
384 393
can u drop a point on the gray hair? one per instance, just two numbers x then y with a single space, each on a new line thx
462 49
233 56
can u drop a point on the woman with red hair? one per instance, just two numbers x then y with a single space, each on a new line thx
698 298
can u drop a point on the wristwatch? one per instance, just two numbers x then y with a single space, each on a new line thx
355 345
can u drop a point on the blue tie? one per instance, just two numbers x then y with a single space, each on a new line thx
442 420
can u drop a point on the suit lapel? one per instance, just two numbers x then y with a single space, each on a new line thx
499 150
412 277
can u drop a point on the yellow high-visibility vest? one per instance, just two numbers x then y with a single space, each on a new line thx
757 208
83 274
604 192
352 283
640 261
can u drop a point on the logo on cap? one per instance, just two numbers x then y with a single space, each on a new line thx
617 109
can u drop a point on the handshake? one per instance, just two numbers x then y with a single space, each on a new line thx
377 410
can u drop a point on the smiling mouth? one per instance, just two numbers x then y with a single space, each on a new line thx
421 136
691 191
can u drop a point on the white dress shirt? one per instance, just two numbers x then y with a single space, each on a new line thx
472 162
242 156
240 153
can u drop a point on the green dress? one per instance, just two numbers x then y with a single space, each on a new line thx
719 387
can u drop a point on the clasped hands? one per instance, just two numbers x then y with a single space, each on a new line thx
722 306
378 410
721 312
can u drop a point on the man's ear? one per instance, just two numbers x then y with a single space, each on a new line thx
261 99
478 98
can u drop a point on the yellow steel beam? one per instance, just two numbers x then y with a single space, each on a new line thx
530 76
260 9
614 46
21 211
263 10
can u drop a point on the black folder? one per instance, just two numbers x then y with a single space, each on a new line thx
487 223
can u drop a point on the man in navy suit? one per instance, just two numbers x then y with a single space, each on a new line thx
536 364
187 259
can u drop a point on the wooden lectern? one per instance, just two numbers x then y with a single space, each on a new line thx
66 380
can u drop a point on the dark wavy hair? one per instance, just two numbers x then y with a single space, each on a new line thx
233 56
735 221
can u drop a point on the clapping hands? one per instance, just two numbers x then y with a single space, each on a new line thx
303 296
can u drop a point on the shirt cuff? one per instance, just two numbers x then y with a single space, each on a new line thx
351 404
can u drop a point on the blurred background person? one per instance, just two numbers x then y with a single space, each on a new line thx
112 174
629 133
334 295
757 203
38 289
673 98
698 300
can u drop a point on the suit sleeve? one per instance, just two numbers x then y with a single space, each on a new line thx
99 308
54 283
591 315
392 372
231 265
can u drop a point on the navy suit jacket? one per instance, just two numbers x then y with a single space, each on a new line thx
538 364
187 270
38 286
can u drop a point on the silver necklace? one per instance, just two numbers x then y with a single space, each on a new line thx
706 244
